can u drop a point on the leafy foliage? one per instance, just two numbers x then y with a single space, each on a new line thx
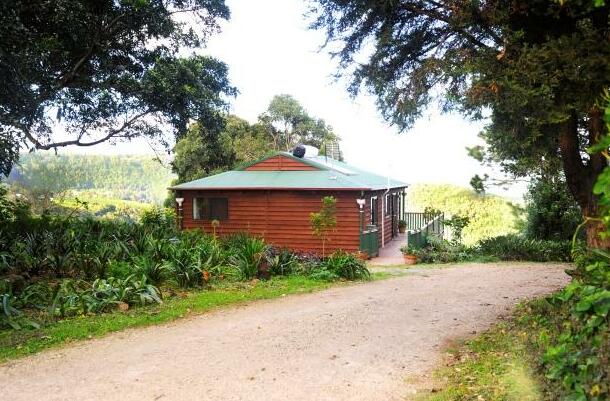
515 60
575 340
136 178
341 265
289 124
488 215
324 221
106 70
63 266
517 247
551 212
248 256
285 123
201 153
438 250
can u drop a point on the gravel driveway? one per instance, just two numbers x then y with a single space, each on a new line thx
352 343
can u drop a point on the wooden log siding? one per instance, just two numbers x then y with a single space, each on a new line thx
282 217
387 229
282 163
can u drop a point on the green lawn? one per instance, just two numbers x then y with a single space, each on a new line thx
14 344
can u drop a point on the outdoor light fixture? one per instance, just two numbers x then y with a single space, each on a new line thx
179 216
361 202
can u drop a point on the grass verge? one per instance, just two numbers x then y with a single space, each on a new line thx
14 344
501 364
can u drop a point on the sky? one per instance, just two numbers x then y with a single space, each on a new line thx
270 50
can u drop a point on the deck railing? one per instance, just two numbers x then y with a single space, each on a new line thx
424 225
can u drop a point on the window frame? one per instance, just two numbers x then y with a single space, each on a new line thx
374 214
387 204
211 213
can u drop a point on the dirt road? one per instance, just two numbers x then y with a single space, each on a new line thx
349 343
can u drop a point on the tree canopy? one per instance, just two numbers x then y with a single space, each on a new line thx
199 154
536 68
283 125
289 124
81 72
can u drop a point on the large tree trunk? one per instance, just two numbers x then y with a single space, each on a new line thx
581 175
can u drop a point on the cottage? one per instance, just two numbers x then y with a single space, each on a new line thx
273 197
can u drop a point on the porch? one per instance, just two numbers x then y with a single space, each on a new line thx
419 227
390 254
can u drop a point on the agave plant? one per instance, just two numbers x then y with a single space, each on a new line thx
344 265
248 257
154 270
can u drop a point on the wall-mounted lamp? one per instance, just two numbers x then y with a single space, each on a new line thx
179 201
361 202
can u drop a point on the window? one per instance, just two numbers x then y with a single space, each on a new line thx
374 210
388 205
210 208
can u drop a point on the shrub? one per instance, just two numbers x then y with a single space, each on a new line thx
77 297
283 262
551 211
516 248
154 270
248 257
489 215
575 336
438 250
191 258
341 265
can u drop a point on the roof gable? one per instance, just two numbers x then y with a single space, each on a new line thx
280 162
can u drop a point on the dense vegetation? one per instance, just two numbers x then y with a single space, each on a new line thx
106 71
489 215
512 247
285 123
551 212
61 266
509 63
42 176
564 339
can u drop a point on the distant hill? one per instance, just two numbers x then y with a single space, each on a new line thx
135 178
490 215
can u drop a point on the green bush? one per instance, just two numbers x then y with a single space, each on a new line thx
77 297
191 258
519 248
438 250
283 262
248 257
551 211
62 266
488 215
574 338
341 265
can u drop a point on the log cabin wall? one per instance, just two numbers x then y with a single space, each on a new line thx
387 218
281 217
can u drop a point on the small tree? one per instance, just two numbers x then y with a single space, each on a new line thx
457 224
324 221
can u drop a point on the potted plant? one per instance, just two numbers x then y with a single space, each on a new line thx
408 253
402 226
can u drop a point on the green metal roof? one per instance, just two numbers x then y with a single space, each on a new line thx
332 174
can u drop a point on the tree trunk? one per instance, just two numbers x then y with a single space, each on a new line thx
581 175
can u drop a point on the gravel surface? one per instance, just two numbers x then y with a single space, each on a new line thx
353 343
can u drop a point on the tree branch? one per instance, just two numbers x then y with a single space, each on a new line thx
77 142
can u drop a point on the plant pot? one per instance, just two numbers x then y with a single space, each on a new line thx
409 259
402 230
